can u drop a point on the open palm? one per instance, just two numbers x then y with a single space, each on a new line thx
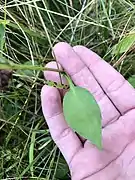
116 98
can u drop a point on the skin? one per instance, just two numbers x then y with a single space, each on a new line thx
116 98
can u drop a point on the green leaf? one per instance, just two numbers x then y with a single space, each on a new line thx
125 44
62 169
4 22
2 36
82 113
131 80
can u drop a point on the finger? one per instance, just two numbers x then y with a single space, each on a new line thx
81 76
65 138
116 87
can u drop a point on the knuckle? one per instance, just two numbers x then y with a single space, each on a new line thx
99 95
116 85
63 134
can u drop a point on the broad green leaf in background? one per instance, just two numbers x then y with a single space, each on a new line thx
2 36
62 169
125 44
131 80
82 113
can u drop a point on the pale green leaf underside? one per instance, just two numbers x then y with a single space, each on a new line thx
82 114
125 44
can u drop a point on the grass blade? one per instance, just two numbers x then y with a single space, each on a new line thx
31 150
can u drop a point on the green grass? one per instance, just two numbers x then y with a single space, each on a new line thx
26 148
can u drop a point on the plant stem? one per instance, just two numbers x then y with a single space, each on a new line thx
69 81
27 67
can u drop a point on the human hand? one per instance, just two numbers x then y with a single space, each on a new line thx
116 98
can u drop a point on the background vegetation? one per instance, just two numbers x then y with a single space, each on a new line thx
26 148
